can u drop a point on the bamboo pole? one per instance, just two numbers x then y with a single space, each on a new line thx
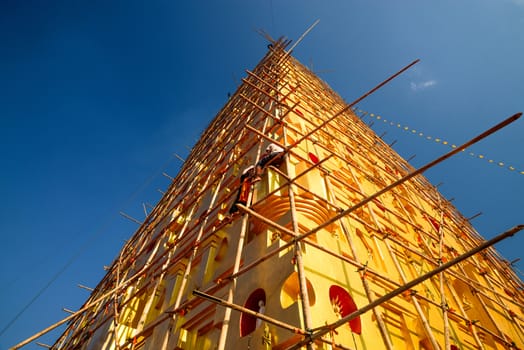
385 189
349 106
146 268
302 37
115 302
369 292
464 314
442 278
306 310
413 174
197 239
325 329
231 306
232 288
423 318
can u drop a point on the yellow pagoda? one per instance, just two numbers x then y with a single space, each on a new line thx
334 243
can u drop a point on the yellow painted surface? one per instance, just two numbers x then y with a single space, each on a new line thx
343 265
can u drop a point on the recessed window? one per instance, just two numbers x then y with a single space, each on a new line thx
343 305
290 291
256 302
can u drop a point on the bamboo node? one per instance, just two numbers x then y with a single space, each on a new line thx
364 267
483 272
471 323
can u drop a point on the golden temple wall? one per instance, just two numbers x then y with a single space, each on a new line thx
186 244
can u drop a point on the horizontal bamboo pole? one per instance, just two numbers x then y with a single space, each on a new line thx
248 311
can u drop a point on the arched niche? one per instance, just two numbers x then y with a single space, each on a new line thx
290 292
256 300
343 305
222 249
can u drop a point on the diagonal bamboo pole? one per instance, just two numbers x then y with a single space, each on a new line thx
247 311
384 190
349 106
414 300
302 37
326 329
240 248
369 292
413 174
87 305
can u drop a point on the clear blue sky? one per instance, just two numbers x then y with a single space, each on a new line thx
95 96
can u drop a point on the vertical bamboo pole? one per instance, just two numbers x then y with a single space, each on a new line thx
369 292
304 296
116 303
442 277
232 288
414 299
458 301
298 252
504 306
319 332
400 270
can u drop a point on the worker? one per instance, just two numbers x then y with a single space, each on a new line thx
273 156
243 190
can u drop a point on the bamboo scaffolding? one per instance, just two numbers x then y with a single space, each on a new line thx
500 302
415 173
362 271
245 310
253 100
146 264
326 149
306 310
349 106
360 266
464 315
363 268
308 242
371 212
386 189
116 302
144 269
193 255
418 308
194 200
486 311
423 318
225 324
325 329
407 247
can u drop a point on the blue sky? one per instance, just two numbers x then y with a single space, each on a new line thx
96 96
